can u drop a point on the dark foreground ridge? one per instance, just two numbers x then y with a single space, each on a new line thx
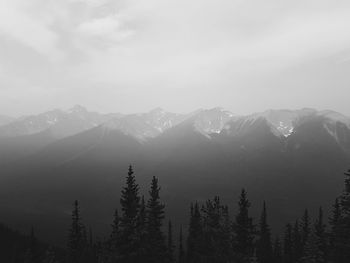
212 236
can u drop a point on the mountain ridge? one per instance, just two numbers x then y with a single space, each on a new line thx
196 156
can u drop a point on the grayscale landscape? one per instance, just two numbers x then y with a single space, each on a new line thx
174 131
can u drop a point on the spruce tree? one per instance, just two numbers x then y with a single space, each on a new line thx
311 252
305 229
141 232
342 235
155 215
314 249
181 251
334 240
216 232
130 205
115 229
195 235
76 241
264 246
277 251
243 229
321 238
226 233
288 245
170 246
297 242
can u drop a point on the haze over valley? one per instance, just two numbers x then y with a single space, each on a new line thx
50 159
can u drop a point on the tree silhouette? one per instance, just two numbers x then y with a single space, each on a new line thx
288 244
264 246
77 238
305 230
195 235
130 205
277 251
155 215
170 246
181 248
243 228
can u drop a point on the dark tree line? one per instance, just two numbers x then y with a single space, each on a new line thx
16 247
138 233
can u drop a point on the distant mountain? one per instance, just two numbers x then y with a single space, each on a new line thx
291 159
60 123
145 125
28 134
15 148
5 120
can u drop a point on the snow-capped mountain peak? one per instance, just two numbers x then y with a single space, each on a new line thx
77 109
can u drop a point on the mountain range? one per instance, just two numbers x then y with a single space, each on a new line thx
292 159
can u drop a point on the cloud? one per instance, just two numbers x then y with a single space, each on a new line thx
17 24
179 47
107 30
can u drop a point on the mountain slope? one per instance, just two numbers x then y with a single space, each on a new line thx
60 123
193 159
5 120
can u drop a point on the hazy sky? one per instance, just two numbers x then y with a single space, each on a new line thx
135 55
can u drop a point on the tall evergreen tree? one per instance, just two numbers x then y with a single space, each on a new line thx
115 229
76 241
243 228
141 232
181 251
216 232
195 235
305 229
277 251
155 215
32 254
334 241
342 235
170 242
297 242
320 238
314 250
264 246
288 245
130 205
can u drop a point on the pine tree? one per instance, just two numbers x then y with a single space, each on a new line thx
216 232
155 215
243 229
181 248
91 239
49 256
142 217
321 238
141 232
277 251
226 233
297 242
32 253
334 221
264 246
170 242
305 229
288 245
342 235
195 235
311 252
130 205
76 242
115 229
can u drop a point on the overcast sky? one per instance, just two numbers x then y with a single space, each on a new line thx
135 55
